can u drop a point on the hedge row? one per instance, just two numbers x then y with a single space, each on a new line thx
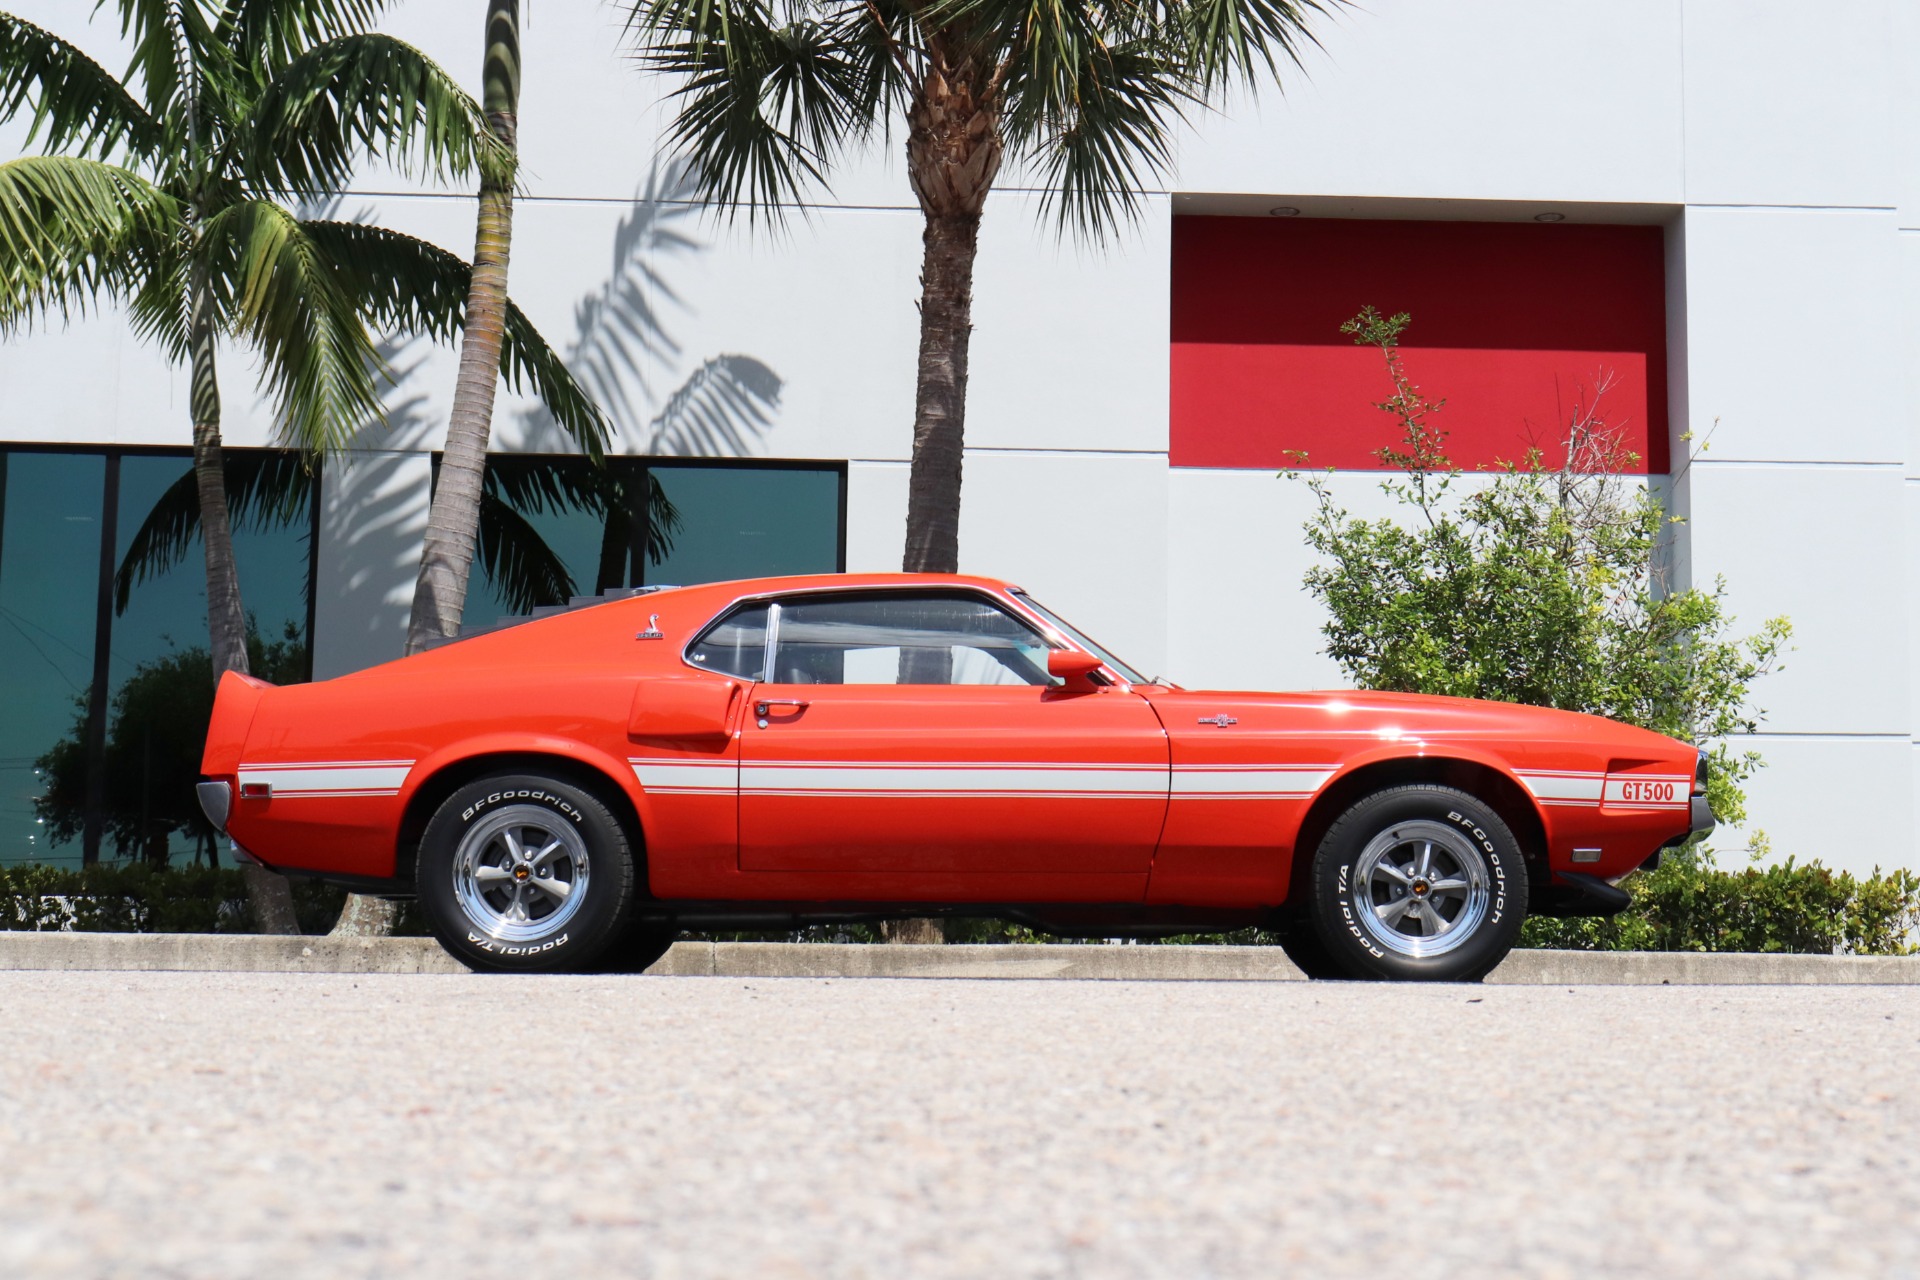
140 898
1690 904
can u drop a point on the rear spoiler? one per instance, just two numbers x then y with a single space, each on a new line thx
234 702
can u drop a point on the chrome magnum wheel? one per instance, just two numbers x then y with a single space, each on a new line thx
1422 882
521 872
1421 888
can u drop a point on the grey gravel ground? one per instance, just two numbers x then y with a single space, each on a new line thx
211 1125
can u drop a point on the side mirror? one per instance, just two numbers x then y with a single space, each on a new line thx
1069 664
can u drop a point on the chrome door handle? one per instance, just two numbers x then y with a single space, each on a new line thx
760 706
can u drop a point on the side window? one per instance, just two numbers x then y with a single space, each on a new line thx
737 644
901 639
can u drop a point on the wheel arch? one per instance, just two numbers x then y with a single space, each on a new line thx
448 775
1489 783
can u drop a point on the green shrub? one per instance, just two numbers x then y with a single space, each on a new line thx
1544 585
143 898
1690 904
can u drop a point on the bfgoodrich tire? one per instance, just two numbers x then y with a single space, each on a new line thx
522 873
1420 883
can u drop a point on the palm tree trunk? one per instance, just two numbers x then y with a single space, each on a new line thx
940 404
953 154
453 521
267 893
453 524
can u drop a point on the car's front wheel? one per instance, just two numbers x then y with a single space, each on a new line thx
521 873
1418 882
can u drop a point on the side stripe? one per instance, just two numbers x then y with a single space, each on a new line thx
987 779
320 779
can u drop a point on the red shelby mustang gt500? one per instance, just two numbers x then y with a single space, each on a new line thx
567 792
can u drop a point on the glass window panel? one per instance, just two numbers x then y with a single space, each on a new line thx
50 508
737 646
160 672
901 639
551 537
748 522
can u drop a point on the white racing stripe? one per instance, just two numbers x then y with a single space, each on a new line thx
1237 782
1560 787
986 780
942 779
688 777
305 780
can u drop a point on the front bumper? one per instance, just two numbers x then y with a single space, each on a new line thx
1703 819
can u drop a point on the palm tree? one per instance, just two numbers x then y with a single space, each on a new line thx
772 94
440 594
165 191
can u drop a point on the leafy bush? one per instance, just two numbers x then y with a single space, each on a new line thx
1543 586
143 898
1690 904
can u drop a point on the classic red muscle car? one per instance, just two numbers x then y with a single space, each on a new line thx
568 792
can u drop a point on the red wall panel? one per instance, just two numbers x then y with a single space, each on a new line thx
1512 324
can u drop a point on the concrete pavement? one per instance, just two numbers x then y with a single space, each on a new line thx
214 1125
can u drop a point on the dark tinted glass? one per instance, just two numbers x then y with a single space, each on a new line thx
560 528
50 512
737 645
748 522
160 673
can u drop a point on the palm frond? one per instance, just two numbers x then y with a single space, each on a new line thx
545 484
78 106
265 490
1101 129
408 285
72 230
763 107
282 292
165 34
273 32
1240 42
157 304
368 94
524 570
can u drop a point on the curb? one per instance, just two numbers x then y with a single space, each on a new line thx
251 953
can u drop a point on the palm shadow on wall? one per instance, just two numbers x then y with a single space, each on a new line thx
625 353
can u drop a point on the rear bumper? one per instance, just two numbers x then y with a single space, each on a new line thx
216 801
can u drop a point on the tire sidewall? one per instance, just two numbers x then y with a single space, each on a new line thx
1334 886
593 927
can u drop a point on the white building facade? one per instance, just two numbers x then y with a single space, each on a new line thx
1735 188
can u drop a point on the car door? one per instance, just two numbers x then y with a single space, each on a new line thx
919 731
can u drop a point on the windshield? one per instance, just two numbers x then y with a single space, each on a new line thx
1081 638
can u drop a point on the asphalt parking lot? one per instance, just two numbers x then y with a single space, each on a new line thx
211 1125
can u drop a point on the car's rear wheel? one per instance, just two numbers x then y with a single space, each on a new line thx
522 873
1418 882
